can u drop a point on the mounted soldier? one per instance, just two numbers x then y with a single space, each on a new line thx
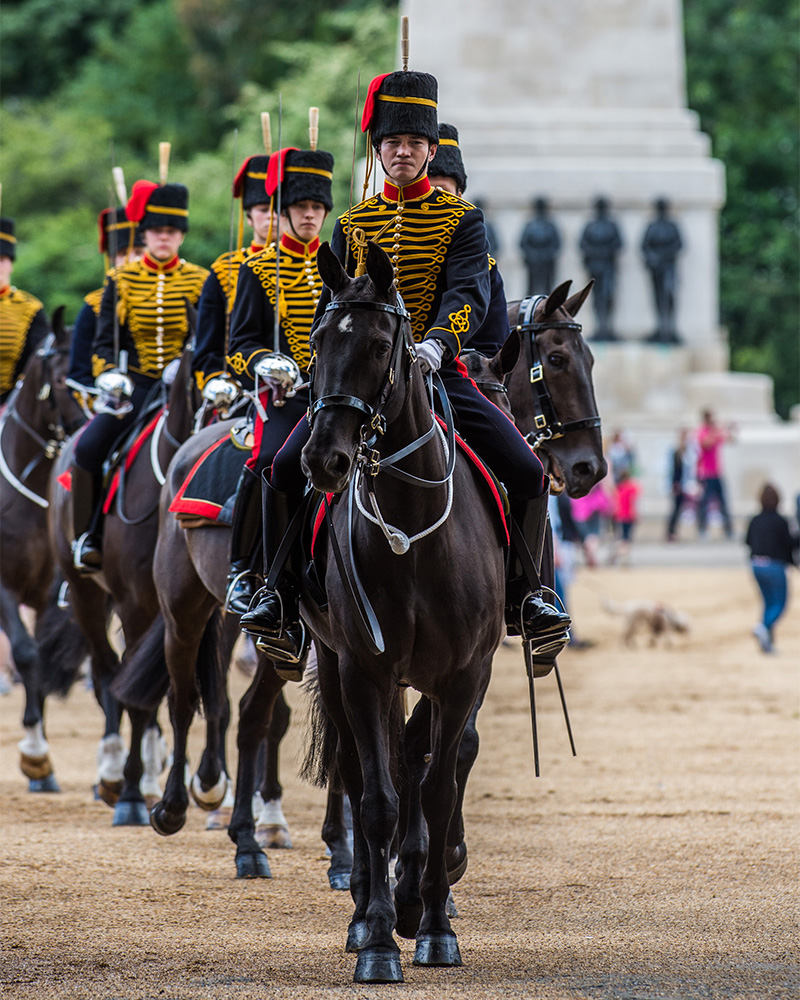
269 355
121 241
23 324
142 327
219 291
437 245
446 171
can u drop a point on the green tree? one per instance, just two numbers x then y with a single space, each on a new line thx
743 68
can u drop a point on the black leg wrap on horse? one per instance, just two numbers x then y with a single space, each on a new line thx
87 519
527 612
275 620
245 535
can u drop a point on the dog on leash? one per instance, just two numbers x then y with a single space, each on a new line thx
654 618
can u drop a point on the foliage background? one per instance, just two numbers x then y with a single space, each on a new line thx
82 77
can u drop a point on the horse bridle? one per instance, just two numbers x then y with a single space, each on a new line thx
58 428
547 426
485 383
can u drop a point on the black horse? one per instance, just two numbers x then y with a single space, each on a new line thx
126 584
433 616
38 418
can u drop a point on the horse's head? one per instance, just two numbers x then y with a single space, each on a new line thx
362 350
45 400
552 394
491 374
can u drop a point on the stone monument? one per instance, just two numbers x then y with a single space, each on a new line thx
571 101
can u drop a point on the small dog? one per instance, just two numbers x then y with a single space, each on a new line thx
653 617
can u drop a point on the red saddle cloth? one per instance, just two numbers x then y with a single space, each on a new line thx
65 479
211 483
493 486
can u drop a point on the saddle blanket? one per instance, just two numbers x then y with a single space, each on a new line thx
493 485
208 492
65 479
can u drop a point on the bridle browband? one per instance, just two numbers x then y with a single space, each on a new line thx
547 426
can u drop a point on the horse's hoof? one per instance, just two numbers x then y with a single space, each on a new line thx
47 784
219 819
378 965
356 936
450 906
272 835
108 792
457 863
437 949
163 822
252 865
408 918
128 813
211 798
35 768
339 881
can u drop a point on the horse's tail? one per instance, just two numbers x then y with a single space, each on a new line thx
143 679
319 765
212 666
62 645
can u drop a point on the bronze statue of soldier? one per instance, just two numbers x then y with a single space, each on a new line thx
540 244
660 247
601 242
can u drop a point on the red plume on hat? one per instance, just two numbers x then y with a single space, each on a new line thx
137 203
369 101
277 162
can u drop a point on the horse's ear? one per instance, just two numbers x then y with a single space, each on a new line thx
330 268
57 325
574 302
379 269
504 361
556 299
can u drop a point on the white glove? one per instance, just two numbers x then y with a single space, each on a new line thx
429 354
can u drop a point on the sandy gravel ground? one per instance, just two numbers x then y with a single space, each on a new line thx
662 862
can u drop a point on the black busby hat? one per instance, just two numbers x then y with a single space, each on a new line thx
8 241
154 205
117 233
304 173
447 162
401 103
251 182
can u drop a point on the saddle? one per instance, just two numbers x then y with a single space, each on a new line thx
206 497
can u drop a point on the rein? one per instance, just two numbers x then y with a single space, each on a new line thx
368 463
547 426
48 449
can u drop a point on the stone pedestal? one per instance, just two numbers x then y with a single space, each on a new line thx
574 100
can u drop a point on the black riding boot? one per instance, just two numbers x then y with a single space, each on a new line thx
527 612
275 621
87 495
245 533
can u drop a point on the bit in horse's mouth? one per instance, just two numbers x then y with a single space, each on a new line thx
553 469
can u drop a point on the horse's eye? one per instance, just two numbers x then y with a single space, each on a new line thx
382 351
556 360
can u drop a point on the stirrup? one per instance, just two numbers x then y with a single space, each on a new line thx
233 581
286 648
78 546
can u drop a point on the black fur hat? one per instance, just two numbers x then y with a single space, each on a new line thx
8 241
447 162
251 182
117 232
402 103
154 205
305 173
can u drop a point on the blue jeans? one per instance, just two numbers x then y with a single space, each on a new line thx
771 579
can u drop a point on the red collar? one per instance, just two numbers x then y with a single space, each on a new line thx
5 291
295 246
417 189
160 265
256 248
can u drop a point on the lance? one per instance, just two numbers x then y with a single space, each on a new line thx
120 356
352 174
228 296
276 331
266 135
